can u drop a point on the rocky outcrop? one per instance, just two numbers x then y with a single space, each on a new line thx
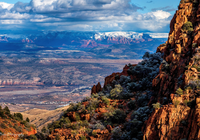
180 118
96 88
113 76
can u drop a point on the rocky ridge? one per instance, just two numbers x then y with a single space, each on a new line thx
178 79
158 99
12 126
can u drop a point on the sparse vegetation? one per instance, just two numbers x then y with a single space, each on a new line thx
114 93
176 102
105 100
156 106
179 91
188 26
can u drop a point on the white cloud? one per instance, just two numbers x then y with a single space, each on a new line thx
161 14
97 15
11 22
8 15
6 5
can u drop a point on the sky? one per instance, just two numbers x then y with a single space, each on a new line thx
87 15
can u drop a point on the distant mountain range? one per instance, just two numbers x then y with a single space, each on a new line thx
74 40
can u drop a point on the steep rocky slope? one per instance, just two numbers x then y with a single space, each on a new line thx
14 127
42 117
116 111
178 79
158 99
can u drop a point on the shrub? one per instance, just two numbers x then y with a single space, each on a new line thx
146 55
32 137
74 107
88 130
114 93
27 119
85 123
2 125
185 102
105 100
176 102
116 133
2 114
18 116
187 26
18 128
6 110
83 138
93 104
179 91
99 126
110 112
94 133
57 137
119 116
77 117
156 106
131 104
44 130
194 45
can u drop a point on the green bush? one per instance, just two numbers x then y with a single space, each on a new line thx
110 112
18 128
114 93
185 102
83 138
75 107
77 117
6 110
93 104
2 114
94 133
44 130
32 137
2 125
179 91
27 119
18 116
57 137
85 123
156 106
176 102
194 45
187 25
105 100
119 116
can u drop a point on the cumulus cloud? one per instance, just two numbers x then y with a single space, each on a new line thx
84 15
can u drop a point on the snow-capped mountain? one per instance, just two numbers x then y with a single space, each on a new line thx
129 35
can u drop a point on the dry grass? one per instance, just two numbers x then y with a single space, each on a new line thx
41 117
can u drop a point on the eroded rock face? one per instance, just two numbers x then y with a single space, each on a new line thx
96 88
180 118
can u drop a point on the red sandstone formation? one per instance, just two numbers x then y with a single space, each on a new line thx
178 121
110 78
96 88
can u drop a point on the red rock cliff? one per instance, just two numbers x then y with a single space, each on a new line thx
180 118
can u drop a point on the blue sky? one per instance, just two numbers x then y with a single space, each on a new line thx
87 15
